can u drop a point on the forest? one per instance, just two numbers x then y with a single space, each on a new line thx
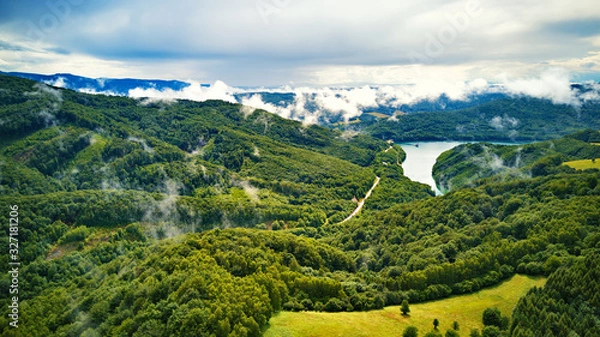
509 119
181 218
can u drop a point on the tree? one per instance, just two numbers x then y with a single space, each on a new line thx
436 322
455 326
410 331
451 333
433 334
492 317
475 333
491 331
405 308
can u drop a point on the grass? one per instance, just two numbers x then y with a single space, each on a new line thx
378 115
354 121
94 149
465 309
584 164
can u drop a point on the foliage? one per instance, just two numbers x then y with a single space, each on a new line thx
410 331
389 321
568 304
404 308
467 163
126 209
509 119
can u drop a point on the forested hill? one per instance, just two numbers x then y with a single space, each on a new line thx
466 164
238 165
179 218
507 119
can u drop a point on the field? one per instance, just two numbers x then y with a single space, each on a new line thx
465 309
584 164
378 115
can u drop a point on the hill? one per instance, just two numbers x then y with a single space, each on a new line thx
114 86
138 217
509 119
467 163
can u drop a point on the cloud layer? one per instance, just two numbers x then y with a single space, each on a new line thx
317 104
313 42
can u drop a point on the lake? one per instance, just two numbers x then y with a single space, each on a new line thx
420 158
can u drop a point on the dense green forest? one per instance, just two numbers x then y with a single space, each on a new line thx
180 218
509 119
468 163
567 306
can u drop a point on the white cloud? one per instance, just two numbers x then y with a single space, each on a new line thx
500 123
593 94
195 91
59 82
312 104
352 42
142 142
251 191
554 85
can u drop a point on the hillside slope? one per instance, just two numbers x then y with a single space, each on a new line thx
508 119
467 163
127 214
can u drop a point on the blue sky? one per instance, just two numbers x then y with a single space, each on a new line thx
302 42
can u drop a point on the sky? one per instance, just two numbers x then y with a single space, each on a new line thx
304 42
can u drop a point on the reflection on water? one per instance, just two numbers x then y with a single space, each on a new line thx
420 158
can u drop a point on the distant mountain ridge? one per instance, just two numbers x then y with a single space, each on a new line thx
336 106
116 86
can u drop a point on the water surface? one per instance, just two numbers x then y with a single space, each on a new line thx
420 158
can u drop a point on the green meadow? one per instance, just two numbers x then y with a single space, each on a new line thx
584 164
465 309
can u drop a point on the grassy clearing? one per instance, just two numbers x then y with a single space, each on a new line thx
354 121
584 164
96 146
465 309
378 115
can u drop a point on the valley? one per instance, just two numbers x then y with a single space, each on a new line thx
185 218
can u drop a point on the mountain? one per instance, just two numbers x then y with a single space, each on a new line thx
464 165
114 86
183 218
491 112
508 120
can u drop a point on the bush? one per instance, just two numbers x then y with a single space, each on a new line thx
410 331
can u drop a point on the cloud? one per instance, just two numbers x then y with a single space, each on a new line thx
143 142
313 105
593 93
92 91
49 119
195 91
553 84
251 191
41 89
298 42
500 123
59 82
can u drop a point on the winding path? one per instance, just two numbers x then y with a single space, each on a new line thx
362 202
